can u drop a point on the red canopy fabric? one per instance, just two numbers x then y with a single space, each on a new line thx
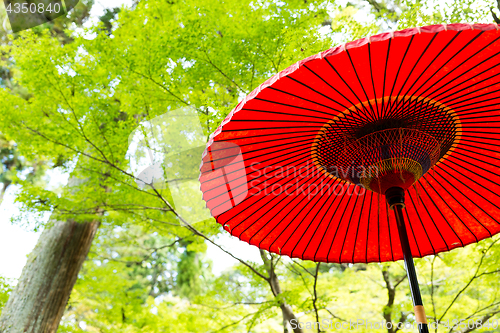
260 175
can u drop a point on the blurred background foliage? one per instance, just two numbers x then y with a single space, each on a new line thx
75 93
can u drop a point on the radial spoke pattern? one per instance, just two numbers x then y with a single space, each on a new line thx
262 182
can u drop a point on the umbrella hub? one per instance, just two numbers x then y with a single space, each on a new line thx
393 143
395 157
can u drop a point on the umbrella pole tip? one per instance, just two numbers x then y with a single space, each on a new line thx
420 316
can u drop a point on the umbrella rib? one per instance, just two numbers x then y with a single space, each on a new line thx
371 76
421 223
427 108
290 179
480 122
286 227
303 108
348 227
319 178
311 132
302 151
462 118
467 145
399 69
480 132
454 96
318 225
432 61
441 213
414 66
468 212
430 120
452 211
328 84
478 137
303 142
467 93
357 229
399 108
265 204
338 225
298 138
465 72
307 228
306 99
383 87
361 85
265 128
496 194
247 174
493 165
238 185
473 105
473 165
352 91
466 88
433 124
295 106
467 139
358 110
456 200
317 92
327 227
287 158
368 226
450 95
290 114
260 142
275 120
438 88
462 113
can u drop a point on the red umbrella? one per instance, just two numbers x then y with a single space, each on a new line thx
406 121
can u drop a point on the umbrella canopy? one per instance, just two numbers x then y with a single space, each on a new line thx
302 165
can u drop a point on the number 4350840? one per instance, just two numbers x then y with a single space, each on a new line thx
33 8
471 324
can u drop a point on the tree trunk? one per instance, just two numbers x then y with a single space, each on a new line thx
391 296
5 185
286 310
37 303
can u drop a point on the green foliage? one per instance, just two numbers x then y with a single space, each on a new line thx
147 271
419 13
5 289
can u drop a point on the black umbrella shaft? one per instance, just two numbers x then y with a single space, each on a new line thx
409 265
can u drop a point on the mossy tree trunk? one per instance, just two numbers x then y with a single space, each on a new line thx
37 303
